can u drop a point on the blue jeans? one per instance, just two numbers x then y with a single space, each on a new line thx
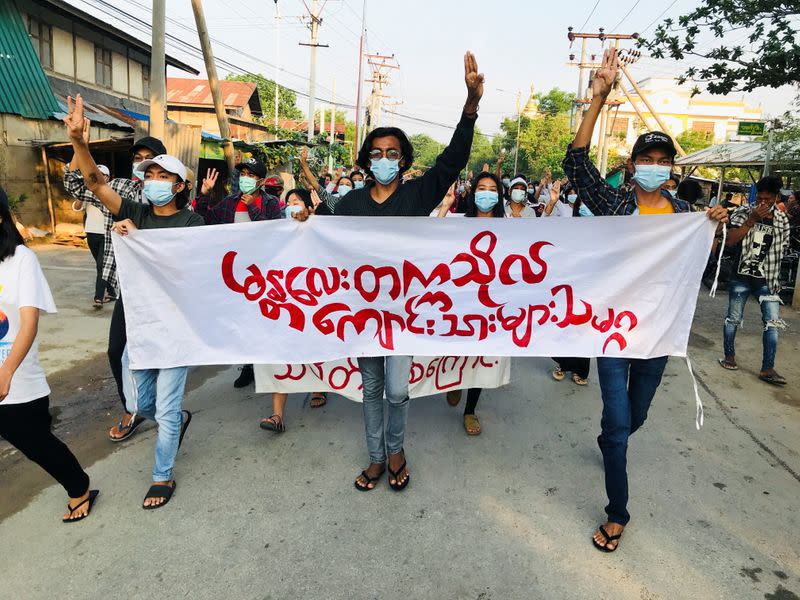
390 373
628 386
738 292
157 394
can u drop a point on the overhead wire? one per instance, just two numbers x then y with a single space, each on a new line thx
627 14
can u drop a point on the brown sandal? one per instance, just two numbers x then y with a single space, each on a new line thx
453 397
318 400
274 423
472 425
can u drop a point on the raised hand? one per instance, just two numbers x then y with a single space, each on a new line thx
315 199
304 155
555 191
209 182
450 197
606 75
124 227
485 168
77 124
474 81
501 159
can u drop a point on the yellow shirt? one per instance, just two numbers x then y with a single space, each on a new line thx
664 210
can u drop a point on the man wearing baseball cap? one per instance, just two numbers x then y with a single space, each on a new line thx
251 202
131 189
627 385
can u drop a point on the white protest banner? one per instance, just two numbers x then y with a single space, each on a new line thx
428 376
337 287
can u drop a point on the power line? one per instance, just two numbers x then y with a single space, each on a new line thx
590 16
654 21
627 14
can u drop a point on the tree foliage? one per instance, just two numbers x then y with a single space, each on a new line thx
555 102
426 149
767 56
692 141
287 99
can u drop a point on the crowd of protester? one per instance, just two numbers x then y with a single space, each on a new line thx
157 195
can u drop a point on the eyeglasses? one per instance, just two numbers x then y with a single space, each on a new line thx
391 154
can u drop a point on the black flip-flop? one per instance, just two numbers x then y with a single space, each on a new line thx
93 494
609 538
366 488
160 491
130 429
321 396
185 425
774 379
399 487
726 365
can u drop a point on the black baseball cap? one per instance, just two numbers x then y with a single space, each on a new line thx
654 139
254 165
151 143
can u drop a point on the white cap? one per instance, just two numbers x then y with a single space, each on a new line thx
104 170
516 181
166 162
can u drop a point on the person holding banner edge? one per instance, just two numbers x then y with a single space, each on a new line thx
627 385
156 394
385 154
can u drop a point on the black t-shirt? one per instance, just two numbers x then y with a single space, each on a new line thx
749 262
143 217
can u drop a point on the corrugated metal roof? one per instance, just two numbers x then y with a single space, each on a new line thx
98 114
24 89
196 92
732 154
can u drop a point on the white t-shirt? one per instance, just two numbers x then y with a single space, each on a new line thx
527 212
22 283
560 209
95 222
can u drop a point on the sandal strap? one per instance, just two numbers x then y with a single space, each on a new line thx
72 510
609 538
396 474
160 491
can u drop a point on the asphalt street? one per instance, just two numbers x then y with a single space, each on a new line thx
508 514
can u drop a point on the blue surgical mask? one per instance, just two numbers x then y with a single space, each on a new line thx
673 193
461 189
506 182
158 192
485 200
651 177
385 170
293 209
247 184
571 198
357 185
519 196
344 189
136 173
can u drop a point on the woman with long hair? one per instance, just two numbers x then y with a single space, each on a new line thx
24 394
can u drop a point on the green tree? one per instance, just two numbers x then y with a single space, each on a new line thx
555 102
482 152
426 149
692 141
767 56
287 99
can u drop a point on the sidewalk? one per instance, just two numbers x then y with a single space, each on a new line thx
508 514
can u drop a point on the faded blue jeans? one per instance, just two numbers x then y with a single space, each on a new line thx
389 374
738 292
157 394
628 386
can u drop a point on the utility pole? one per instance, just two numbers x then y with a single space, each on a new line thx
380 65
213 82
158 71
577 114
773 125
314 12
519 124
277 58
333 128
359 80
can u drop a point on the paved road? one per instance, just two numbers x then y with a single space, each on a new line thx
505 515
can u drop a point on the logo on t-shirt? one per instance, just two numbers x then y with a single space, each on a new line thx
754 255
4 325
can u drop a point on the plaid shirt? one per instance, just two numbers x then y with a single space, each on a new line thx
127 189
780 243
224 211
598 196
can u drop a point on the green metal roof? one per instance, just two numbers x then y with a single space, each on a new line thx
24 89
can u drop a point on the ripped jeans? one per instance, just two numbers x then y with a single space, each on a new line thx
738 292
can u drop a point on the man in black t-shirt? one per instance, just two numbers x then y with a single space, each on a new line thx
760 236
386 154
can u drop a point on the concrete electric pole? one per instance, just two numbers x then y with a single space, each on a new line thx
158 71
314 13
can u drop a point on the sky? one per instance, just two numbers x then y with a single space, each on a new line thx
517 43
